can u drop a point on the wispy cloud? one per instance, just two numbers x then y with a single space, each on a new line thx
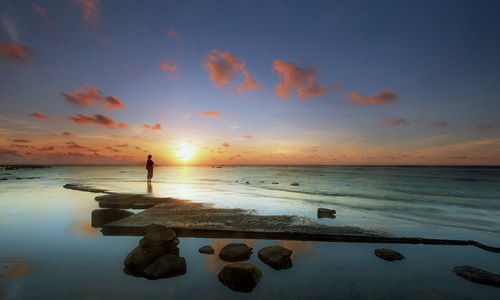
439 124
156 126
385 96
90 10
396 122
16 52
225 145
169 64
171 32
299 80
485 127
68 133
97 119
21 141
87 96
44 117
73 145
225 67
210 113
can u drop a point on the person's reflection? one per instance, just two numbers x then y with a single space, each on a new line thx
150 187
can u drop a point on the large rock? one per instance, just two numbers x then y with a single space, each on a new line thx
277 257
169 265
207 250
477 275
388 254
241 277
326 213
156 232
100 217
235 252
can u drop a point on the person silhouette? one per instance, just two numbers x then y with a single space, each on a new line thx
149 167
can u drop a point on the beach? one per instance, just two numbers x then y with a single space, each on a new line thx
51 249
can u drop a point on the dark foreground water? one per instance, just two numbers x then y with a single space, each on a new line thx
49 250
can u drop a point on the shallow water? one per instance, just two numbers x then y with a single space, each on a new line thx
50 250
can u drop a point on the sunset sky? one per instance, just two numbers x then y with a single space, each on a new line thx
250 82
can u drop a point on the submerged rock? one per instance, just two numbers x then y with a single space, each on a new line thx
207 250
240 277
235 252
388 254
326 213
169 265
477 275
277 257
295 184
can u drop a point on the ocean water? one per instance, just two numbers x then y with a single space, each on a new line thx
50 250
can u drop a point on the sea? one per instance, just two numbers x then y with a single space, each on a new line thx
49 249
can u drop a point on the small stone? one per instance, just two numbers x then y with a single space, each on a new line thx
295 184
240 277
207 250
277 257
169 265
235 252
326 213
388 254
477 275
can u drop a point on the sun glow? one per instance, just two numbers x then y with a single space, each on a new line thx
185 152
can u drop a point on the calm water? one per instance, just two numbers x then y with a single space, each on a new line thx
50 250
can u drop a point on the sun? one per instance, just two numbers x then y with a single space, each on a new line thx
185 152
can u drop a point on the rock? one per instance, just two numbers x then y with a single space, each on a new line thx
158 233
4 178
295 184
277 257
169 247
241 277
477 275
326 213
207 250
275 183
388 254
140 257
169 265
235 252
100 217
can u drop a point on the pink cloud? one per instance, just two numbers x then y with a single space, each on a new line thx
169 65
224 67
396 122
39 10
296 79
225 145
248 136
210 113
156 126
44 117
50 148
385 96
97 119
73 145
67 133
16 52
90 10
171 32
86 98
22 141
439 124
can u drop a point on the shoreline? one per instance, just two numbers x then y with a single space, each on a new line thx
192 219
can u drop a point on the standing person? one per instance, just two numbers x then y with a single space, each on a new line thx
149 167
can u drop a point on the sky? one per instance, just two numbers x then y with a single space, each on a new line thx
277 82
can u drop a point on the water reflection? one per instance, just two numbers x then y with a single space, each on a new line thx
150 187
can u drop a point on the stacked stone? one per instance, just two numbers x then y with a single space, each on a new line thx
157 255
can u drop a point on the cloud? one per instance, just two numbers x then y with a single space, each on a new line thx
439 124
11 153
22 141
210 113
86 98
300 80
16 52
396 122
122 145
171 32
225 145
169 65
97 119
385 96
73 145
50 148
156 126
90 10
248 136
224 67
67 133
44 117
485 127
